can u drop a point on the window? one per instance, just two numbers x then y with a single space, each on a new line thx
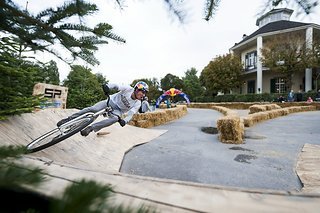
278 85
251 60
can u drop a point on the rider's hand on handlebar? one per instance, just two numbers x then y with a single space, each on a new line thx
122 122
106 89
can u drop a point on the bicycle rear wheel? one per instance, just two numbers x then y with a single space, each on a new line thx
59 134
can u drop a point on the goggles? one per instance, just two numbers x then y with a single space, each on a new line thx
142 90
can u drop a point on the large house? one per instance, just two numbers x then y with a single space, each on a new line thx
260 79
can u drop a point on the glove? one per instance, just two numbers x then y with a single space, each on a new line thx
106 89
122 122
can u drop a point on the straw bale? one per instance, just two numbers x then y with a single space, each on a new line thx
247 121
158 117
143 123
225 110
272 106
261 108
252 119
275 113
231 129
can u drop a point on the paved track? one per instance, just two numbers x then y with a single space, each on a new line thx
267 160
99 158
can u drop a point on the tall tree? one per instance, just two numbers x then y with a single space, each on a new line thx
222 74
84 89
49 73
287 54
171 81
192 84
17 78
41 32
101 78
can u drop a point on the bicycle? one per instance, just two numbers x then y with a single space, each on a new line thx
70 128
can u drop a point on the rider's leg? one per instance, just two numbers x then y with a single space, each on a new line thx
104 123
99 125
95 108
109 121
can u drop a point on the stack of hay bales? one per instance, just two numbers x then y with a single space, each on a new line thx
155 118
254 118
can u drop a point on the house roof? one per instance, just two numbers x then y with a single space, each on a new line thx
273 26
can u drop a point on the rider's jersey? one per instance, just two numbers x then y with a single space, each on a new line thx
123 100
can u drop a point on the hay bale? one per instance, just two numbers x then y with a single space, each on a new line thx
155 118
262 108
231 129
144 123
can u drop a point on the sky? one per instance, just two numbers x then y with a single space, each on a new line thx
158 44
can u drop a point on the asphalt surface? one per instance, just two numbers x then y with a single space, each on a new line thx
266 160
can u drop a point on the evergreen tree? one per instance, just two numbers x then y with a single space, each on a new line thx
49 73
101 79
84 89
16 85
41 32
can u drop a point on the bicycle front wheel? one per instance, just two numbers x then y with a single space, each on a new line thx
59 134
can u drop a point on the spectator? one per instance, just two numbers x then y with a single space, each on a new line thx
291 96
318 95
309 100
281 99
145 107
168 103
299 96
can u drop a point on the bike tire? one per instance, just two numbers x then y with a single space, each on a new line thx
59 134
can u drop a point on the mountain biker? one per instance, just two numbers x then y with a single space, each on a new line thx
127 100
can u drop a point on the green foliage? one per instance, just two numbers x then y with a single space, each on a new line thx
85 196
171 81
16 85
49 73
287 54
18 77
192 86
52 26
222 74
84 88
101 79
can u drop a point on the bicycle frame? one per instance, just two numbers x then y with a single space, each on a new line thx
69 128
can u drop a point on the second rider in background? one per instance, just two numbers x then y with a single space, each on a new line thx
127 100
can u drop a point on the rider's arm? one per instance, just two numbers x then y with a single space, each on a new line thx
118 87
132 111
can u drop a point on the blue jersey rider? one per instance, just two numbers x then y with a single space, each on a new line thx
127 100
